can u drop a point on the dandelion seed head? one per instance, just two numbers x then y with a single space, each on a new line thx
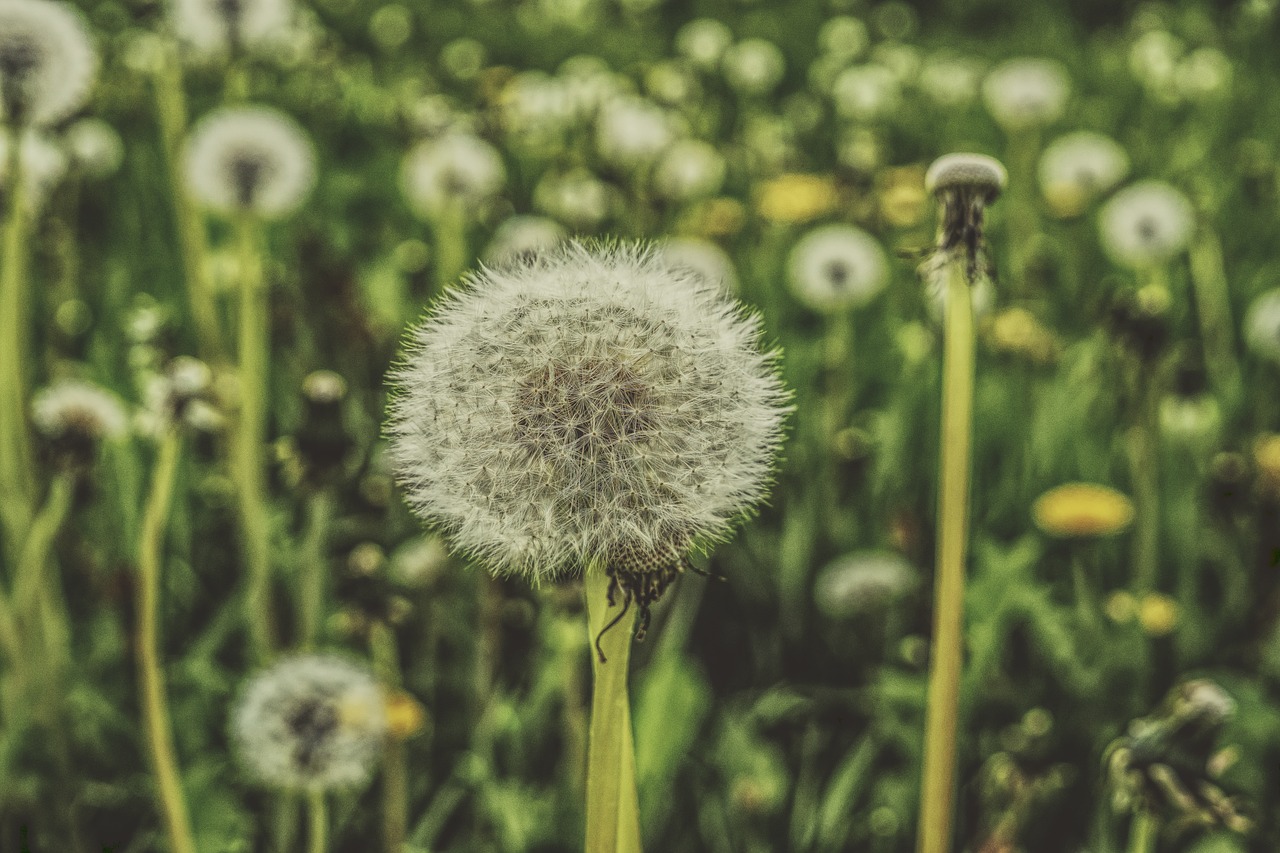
753 66
632 131
950 81
219 26
591 407
1078 167
47 61
689 169
78 410
521 237
703 257
866 92
457 170
310 722
703 42
835 267
1146 224
1262 326
95 147
576 197
863 581
42 165
1026 92
250 159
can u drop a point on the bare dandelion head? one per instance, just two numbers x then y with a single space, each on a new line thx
47 62
596 406
964 184
310 722
250 159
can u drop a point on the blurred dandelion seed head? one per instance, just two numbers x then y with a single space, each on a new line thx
42 166
522 237
753 67
836 267
1027 92
310 722
457 171
249 159
1262 326
689 169
703 42
47 62
595 402
221 26
631 131
78 410
706 259
1077 168
95 147
862 582
1146 224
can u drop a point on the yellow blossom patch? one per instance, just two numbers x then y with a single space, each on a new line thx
1019 332
1158 614
405 715
797 198
903 199
1082 510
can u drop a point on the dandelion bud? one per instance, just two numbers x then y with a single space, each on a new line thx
47 63
596 406
312 722
322 439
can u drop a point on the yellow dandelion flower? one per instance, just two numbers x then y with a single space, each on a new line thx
903 198
405 715
715 217
1082 510
1266 455
797 198
1018 332
1158 614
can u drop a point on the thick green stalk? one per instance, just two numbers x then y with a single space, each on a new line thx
318 820
937 790
248 463
395 770
171 112
155 705
37 595
17 480
1213 309
1144 832
1145 470
613 809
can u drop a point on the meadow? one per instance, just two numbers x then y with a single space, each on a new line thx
263 586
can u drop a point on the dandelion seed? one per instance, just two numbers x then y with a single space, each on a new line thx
595 406
250 160
521 238
311 722
47 62
219 26
1146 224
1026 92
863 581
835 267
704 258
1262 326
456 171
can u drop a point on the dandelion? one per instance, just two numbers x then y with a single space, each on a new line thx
1082 510
632 131
703 42
796 198
704 258
1262 326
310 722
753 67
523 237
457 171
1026 93
47 62
595 406
95 147
844 37
1077 168
79 412
689 169
419 562
219 26
1146 224
836 267
41 165
949 81
863 581
252 159
576 197
866 92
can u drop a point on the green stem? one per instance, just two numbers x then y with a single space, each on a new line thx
171 113
1145 470
17 480
452 253
488 636
395 771
1086 599
1213 308
314 570
36 592
155 706
318 820
1144 832
613 809
248 464
938 784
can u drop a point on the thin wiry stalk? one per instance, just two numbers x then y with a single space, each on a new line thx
395 771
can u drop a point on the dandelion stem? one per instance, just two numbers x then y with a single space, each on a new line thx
36 589
314 569
938 784
318 820
16 477
155 708
171 113
613 809
248 463
450 229
1144 832
1213 308
1145 470
395 773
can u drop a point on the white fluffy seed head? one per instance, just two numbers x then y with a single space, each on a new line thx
837 267
593 405
962 171
95 147
1085 161
42 165
632 131
1026 92
863 581
73 408
457 169
705 258
1146 224
217 26
250 159
47 62
1262 326
310 722
689 169
521 237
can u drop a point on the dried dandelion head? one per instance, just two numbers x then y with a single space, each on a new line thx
597 406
